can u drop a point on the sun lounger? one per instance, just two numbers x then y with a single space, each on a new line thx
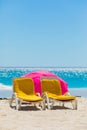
23 91
52 89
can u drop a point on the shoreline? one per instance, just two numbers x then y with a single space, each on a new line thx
80 92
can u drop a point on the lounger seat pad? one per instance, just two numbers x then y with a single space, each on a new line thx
30 98
61 97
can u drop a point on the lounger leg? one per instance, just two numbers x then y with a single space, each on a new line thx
43 105
48 103
38 105
17 106
44 100
17 101
74 104
11 100
52 104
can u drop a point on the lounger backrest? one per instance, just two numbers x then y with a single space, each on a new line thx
23 85
51 85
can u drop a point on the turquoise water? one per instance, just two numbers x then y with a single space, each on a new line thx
75 77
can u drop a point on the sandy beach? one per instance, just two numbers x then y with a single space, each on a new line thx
59 118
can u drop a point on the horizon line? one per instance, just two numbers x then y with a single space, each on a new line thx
43 66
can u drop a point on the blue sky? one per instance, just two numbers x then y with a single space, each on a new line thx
43 33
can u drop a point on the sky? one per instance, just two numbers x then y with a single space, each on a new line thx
43 33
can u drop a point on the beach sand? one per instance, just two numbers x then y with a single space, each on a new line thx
59 118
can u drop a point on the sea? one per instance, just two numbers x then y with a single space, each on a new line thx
75 77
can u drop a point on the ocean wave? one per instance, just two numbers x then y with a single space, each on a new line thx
5 87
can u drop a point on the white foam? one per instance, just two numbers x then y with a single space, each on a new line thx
5 87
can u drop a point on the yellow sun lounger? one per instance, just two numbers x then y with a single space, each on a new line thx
23 90
52 89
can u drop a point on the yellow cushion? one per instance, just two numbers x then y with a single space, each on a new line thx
24 88
30 98
52 86
61 97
